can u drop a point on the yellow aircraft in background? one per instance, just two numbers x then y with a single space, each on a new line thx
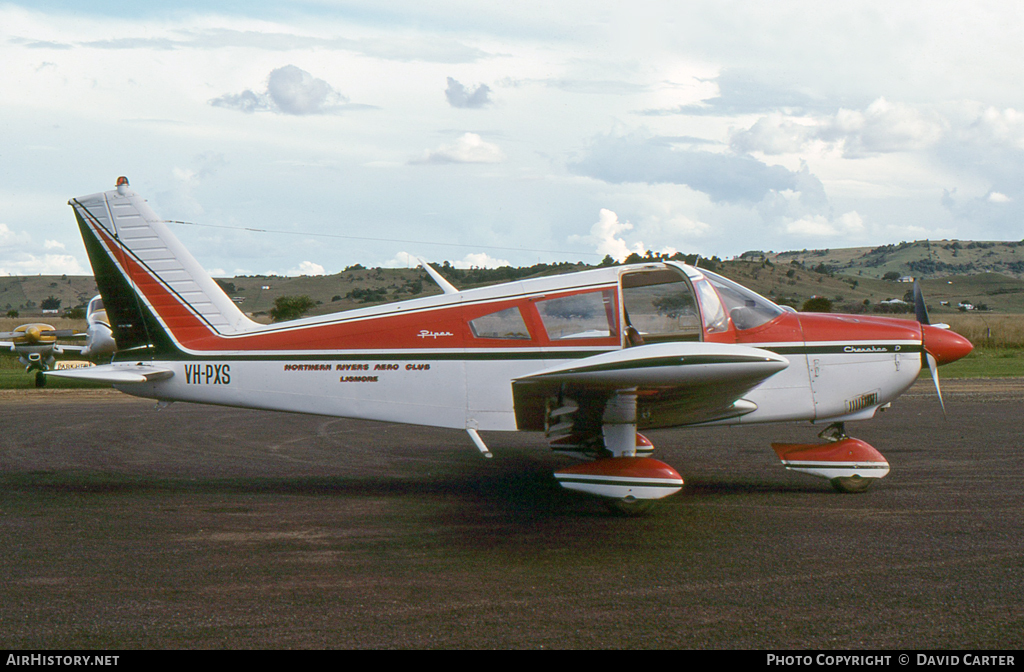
37 347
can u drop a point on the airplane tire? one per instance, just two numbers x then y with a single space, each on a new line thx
40 379
630 507
851 484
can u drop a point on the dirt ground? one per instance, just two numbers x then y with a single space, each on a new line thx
204 527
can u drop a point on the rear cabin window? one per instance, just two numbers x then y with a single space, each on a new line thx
661 306
588 315
506 323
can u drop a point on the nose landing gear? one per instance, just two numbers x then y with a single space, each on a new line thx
849 464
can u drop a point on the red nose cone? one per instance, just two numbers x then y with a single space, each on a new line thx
944 345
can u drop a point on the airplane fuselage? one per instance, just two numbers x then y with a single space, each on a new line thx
431 366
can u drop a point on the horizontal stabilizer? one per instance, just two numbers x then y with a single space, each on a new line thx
116 373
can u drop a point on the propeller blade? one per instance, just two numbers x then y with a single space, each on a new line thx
933 367
920 310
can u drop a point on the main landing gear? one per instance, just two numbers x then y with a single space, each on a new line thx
623 475
628 485
849 464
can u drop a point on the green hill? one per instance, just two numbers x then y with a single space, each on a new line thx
921 259
26 294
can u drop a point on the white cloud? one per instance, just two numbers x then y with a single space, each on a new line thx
290 90
179 194
401 260
996 197
819 226
993 126
814 226
480 260
20 256
295 91
24 263
8 237
459 96
882 127
726 177
774 134
604 235
471 260
469 148
307 268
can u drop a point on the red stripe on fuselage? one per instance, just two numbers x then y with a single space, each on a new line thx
426 329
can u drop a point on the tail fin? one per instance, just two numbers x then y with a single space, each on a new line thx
154 291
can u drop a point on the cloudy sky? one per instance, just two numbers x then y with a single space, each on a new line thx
489 133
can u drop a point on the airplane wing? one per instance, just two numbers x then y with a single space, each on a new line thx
673 384
116 373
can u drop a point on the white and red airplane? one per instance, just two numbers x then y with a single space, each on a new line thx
588 357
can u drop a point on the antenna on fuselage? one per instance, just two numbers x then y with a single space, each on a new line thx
446 287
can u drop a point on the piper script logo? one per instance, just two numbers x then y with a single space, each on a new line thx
434 334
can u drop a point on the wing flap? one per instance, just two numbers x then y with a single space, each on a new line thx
116 373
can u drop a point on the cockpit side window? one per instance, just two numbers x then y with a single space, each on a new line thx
660 306
711 308
746 308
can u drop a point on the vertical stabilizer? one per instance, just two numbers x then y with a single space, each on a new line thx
146 274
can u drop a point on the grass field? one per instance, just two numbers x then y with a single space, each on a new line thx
985 363
17 379
988 330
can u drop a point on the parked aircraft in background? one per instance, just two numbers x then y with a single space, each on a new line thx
37 347
588 357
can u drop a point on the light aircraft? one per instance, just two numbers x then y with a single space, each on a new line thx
36 343
588 357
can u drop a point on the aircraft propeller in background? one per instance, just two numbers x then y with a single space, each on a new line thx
37 348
